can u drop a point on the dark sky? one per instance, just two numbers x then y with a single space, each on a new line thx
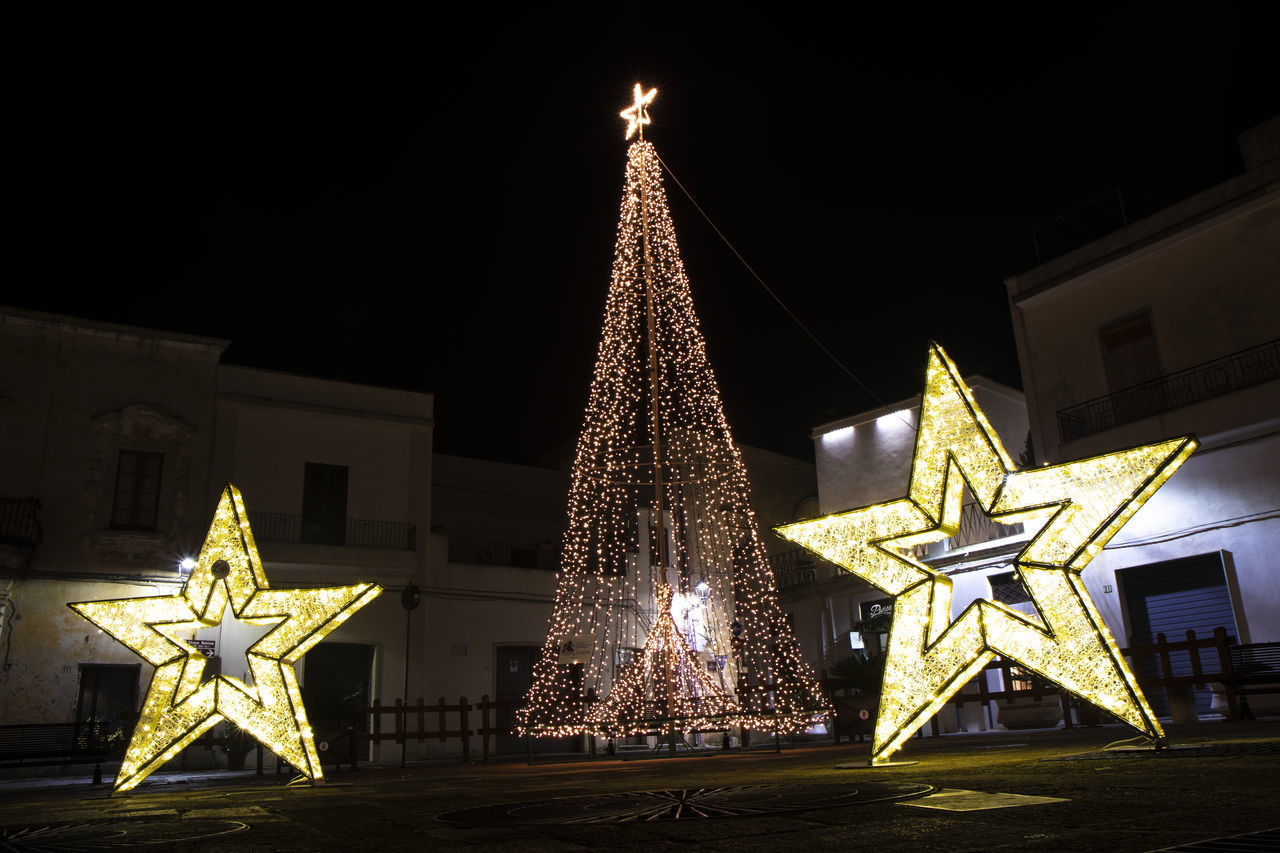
430 202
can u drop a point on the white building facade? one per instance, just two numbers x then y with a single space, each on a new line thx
336 480
1168 327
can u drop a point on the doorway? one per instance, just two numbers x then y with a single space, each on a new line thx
512 680
337 690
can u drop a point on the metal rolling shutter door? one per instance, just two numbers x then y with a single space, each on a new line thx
1171 597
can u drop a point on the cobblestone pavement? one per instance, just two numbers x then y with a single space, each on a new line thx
1007 791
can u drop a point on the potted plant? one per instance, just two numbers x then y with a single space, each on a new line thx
239 743
1087 713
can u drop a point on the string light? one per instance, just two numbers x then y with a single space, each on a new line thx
659 511
180 705
643 694
1077 507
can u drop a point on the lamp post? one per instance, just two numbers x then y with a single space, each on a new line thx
409 599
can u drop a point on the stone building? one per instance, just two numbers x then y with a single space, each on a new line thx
104 483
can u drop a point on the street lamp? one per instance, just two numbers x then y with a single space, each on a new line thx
409 599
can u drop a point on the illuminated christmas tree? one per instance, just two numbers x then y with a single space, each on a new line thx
666 613
667 681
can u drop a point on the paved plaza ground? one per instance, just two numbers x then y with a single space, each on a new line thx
1068 794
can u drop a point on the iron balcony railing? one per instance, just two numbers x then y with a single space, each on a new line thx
356 533
1243 369
975 528
491 552
799 567
18 522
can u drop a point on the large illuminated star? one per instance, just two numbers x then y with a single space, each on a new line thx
180 704
1076 506
636 115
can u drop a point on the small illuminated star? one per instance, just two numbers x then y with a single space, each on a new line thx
1076 507
180 705
635 114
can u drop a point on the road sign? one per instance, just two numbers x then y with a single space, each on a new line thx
577 649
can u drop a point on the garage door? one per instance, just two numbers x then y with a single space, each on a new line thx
1171 598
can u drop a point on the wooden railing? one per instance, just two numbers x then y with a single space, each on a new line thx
401 730
415 722
1161 652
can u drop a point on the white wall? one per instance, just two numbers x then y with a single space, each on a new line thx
1211 288
866 458
1206 269
272 424
1224 498
481 499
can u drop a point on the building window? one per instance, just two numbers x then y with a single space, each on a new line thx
1132 361
137 495
1021 678
324 504
1008 588
1129 351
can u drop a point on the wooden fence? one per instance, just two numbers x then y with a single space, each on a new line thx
1161 652
421 722
413 721
443 721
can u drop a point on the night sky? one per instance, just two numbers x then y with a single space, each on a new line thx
430 203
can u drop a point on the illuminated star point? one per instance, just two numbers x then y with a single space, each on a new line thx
636 114
180 704
1075 508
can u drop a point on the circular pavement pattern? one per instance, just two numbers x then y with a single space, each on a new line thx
686 803
104 835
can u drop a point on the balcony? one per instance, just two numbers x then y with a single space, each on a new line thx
357 533
800 567
975 527
1243 369
491 552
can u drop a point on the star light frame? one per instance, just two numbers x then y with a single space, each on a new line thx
1076 506
636 115
180 704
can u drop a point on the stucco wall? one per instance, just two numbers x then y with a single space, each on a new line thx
48 644
1205 269
480 499
1224 499
270 425
74 395
1211 291
867 458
